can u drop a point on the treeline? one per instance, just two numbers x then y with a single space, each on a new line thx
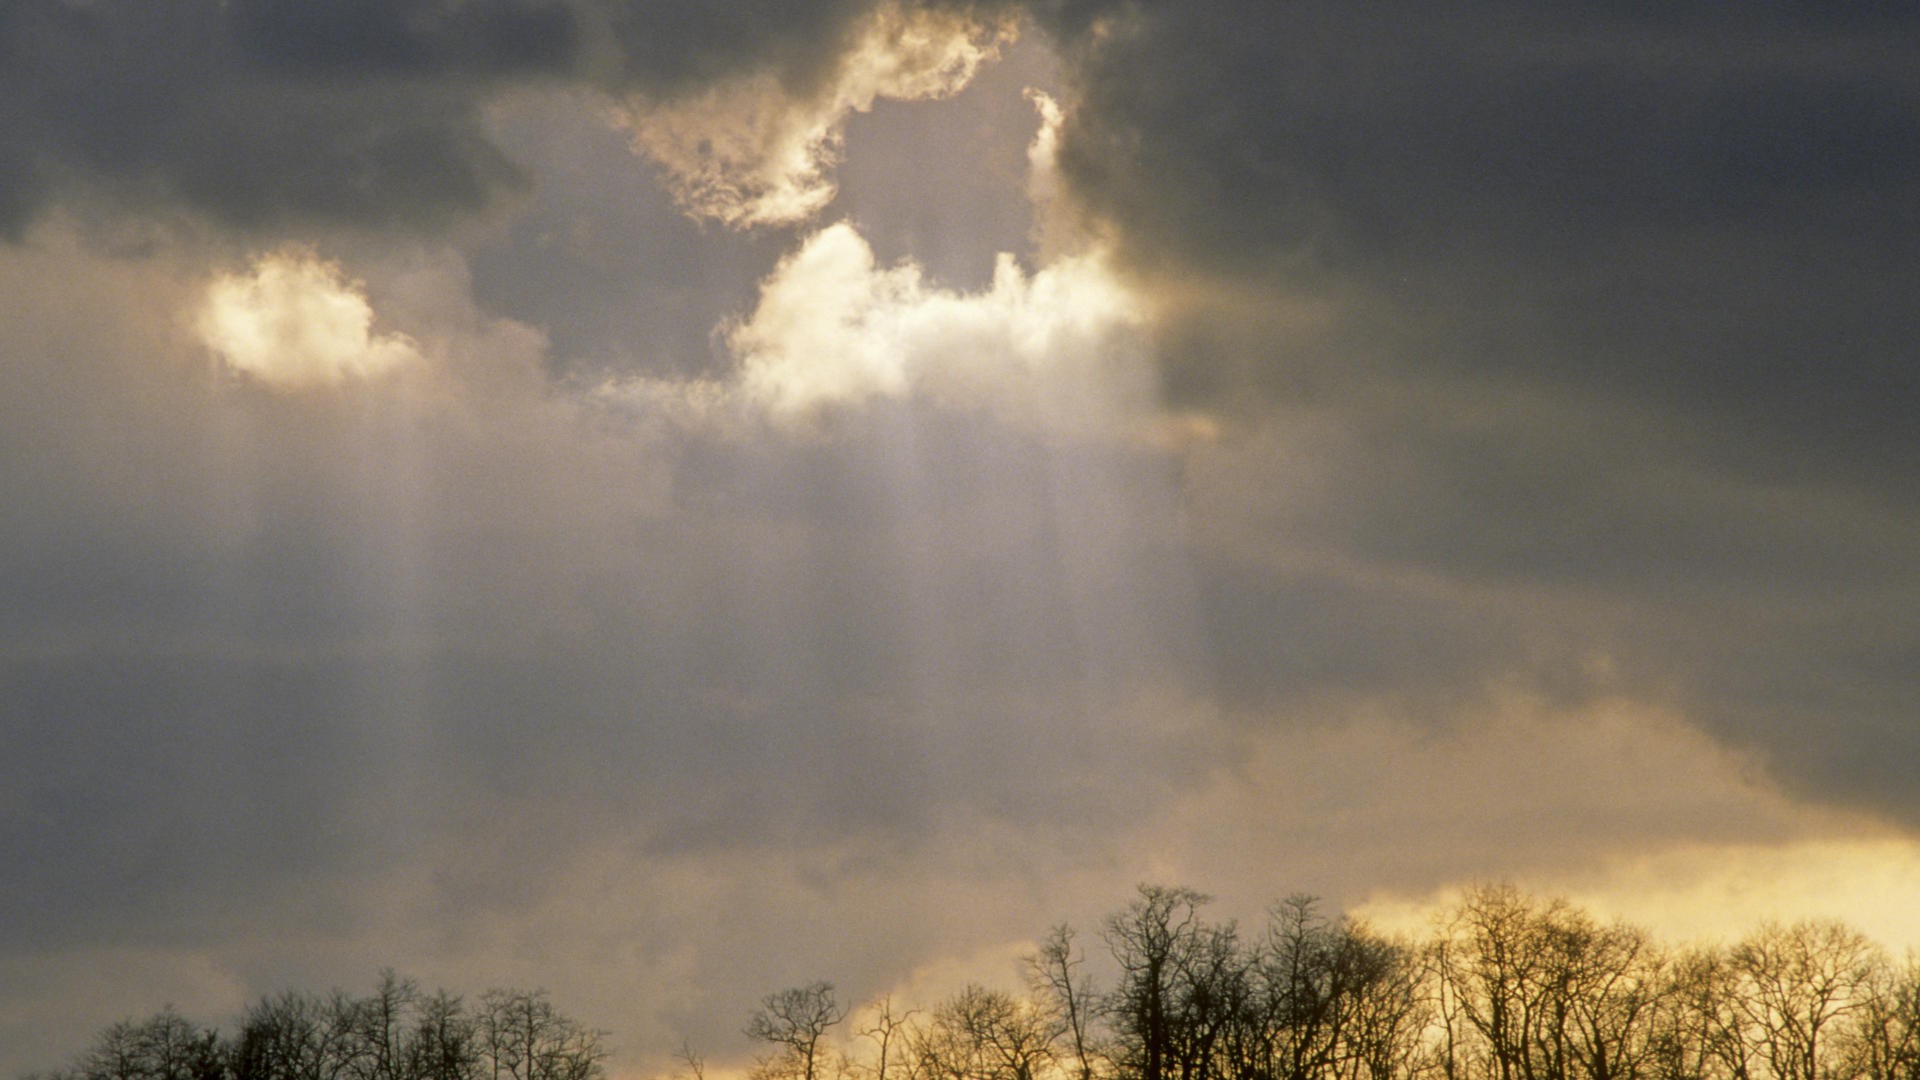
1506 987
395 1033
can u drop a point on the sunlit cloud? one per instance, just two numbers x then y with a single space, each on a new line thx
295 320
1059 348
750 151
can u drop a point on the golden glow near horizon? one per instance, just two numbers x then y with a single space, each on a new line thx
1702 893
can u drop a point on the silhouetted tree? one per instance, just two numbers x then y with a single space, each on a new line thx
1182 984
1552 994
1387 1007
445 1044
1887 1043
1332 1000
1054 975
1509 987
1797 986
981 1034
890 1033
793 1021
380 1029
521 1036
296 1036
394 1033
1705 1038
162 1047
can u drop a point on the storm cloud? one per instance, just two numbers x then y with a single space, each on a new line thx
1612 300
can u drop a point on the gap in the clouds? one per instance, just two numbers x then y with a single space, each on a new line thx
600 259
621 280
944 183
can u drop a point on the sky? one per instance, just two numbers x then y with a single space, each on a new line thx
666 501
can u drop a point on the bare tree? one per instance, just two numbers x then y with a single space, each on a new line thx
380 1026
1054 976
695 1065
981 1034
1700 1033
395 1033
522 1037
1797 987
1301 996
1546 992
1182 984
793 1021
1487 963
891 1033
1388 1007
295 1036
1887 1043
1616 986
445 1044
162 1047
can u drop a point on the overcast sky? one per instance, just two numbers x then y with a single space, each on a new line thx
666 500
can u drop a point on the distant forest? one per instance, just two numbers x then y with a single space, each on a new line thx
1506 986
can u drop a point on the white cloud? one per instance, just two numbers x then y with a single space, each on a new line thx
1060 349
295 320
749 152
827 328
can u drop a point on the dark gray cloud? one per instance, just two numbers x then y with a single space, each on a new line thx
1714 212
1610 301
599 257
359 39
364 113
263 113
1339 137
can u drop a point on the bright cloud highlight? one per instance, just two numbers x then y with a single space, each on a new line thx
1058 349
295 320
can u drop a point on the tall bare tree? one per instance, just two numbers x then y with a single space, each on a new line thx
981 1034
163 1047
1798 986
1886 1045
523 1037
794 1021
1183 982
445 1044
890 1032
1054 974
1539 990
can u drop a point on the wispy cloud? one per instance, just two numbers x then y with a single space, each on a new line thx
758 150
